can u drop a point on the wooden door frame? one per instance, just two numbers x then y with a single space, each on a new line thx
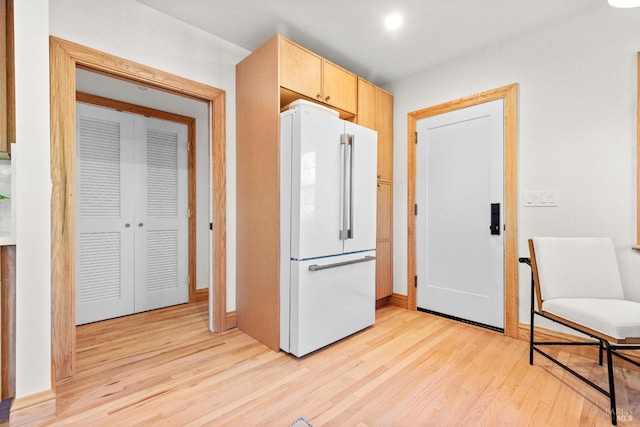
509 95
65 57
190 122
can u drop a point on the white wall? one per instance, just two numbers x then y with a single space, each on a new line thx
32 198
136 32
576 129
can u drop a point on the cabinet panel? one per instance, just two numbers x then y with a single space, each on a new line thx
384 269
340 87
7 84
300 70
366 114
384 125
385 211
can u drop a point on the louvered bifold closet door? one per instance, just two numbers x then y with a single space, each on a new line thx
161 243
104 214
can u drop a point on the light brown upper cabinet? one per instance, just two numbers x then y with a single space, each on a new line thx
366 104
375 111
384 126
7 104
312 76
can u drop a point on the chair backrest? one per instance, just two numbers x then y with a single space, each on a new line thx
576 267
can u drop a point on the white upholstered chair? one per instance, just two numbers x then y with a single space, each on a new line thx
576 283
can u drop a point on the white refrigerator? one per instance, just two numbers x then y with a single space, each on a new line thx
328 228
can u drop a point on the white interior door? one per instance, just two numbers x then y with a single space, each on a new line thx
459 176
104 242
161 225
132 218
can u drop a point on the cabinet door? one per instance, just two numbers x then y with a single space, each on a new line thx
384 212
366 114
340 87
384 269
384 245
300 70
384 126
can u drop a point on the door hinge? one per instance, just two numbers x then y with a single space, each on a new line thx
189 213
415 137
415 281
210 226
188 279
415 209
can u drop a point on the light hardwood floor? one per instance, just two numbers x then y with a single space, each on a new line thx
163 368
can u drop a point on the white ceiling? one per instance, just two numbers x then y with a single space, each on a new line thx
351 32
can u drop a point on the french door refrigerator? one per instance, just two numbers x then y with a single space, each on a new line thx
327 226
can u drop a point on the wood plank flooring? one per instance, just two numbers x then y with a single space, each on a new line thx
163 368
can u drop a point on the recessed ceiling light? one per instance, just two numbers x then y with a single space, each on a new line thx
393 21
624 3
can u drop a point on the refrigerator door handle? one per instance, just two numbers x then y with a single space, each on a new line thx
344 141
316 267
352 154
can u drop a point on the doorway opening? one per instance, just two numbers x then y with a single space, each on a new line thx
66 57
508 95
136 200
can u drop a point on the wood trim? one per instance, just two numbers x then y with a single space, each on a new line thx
219 210
509 95
88 98
190 122
202 294
8 322
33 409
383 302
65 56
231 320
398 300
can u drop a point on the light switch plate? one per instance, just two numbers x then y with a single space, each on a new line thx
540 198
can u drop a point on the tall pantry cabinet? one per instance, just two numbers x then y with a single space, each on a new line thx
375 110
277 73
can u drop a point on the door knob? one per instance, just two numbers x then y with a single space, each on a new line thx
140 224
327 98
127 225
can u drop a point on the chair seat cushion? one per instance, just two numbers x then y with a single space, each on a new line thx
613 317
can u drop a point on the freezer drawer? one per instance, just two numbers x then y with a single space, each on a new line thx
330 298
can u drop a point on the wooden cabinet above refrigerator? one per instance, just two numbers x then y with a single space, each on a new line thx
277 73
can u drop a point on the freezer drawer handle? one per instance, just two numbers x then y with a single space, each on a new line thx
316 267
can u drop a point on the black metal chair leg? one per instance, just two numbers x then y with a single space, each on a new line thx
612 389
601 347
531 325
